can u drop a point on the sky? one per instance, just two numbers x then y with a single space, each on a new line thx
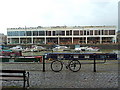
33 13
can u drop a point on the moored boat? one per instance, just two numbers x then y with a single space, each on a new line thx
21 59
61 48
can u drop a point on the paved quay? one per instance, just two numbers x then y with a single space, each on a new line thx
105 77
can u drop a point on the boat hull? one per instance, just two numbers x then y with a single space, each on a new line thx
19 59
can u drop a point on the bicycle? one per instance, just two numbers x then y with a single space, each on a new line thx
73 65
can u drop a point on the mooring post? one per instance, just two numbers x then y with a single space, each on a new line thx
43 63
94 63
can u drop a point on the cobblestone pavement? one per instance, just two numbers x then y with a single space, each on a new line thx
105 77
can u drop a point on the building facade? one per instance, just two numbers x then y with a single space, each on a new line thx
62 35
3 39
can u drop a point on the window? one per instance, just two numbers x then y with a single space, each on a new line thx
9 33
59 32
35 33
106 32
81 32
22 33
91 32
16 33
13 33
48 33
76 32
70 32
67 33
41 33
97 32
88 33
28 33
102 32
84 32
111 32
63 33
53 33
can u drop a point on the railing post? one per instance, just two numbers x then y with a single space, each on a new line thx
43 63
24 80
94 63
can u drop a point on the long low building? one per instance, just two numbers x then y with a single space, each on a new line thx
62 35
3 39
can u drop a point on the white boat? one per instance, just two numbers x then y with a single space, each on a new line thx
61 48
37 48
78 48
92 49
17 48
81 49
27 50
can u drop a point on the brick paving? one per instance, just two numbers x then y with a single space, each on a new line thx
105 77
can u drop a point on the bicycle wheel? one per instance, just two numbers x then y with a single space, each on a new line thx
56 66
74 65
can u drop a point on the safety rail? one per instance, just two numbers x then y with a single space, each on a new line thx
80 56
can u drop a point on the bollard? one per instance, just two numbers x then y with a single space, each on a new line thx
94 63
105 58
43 63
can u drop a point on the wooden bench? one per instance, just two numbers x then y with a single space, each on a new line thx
15 75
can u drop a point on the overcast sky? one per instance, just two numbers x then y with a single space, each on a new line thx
33 13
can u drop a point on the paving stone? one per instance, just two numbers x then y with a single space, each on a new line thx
105 77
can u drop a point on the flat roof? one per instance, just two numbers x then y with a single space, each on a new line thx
62 27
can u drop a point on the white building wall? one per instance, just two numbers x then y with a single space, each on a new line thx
68 28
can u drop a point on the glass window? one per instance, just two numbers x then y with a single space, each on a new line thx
111 32
102 32
70 32
13 33
53 33
84 32
48 33
91 32
76 32
67 33
22 33
35 33
9 33
81 32
63 33
41 33
88 33
28 33
97 32
59 32
106 32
